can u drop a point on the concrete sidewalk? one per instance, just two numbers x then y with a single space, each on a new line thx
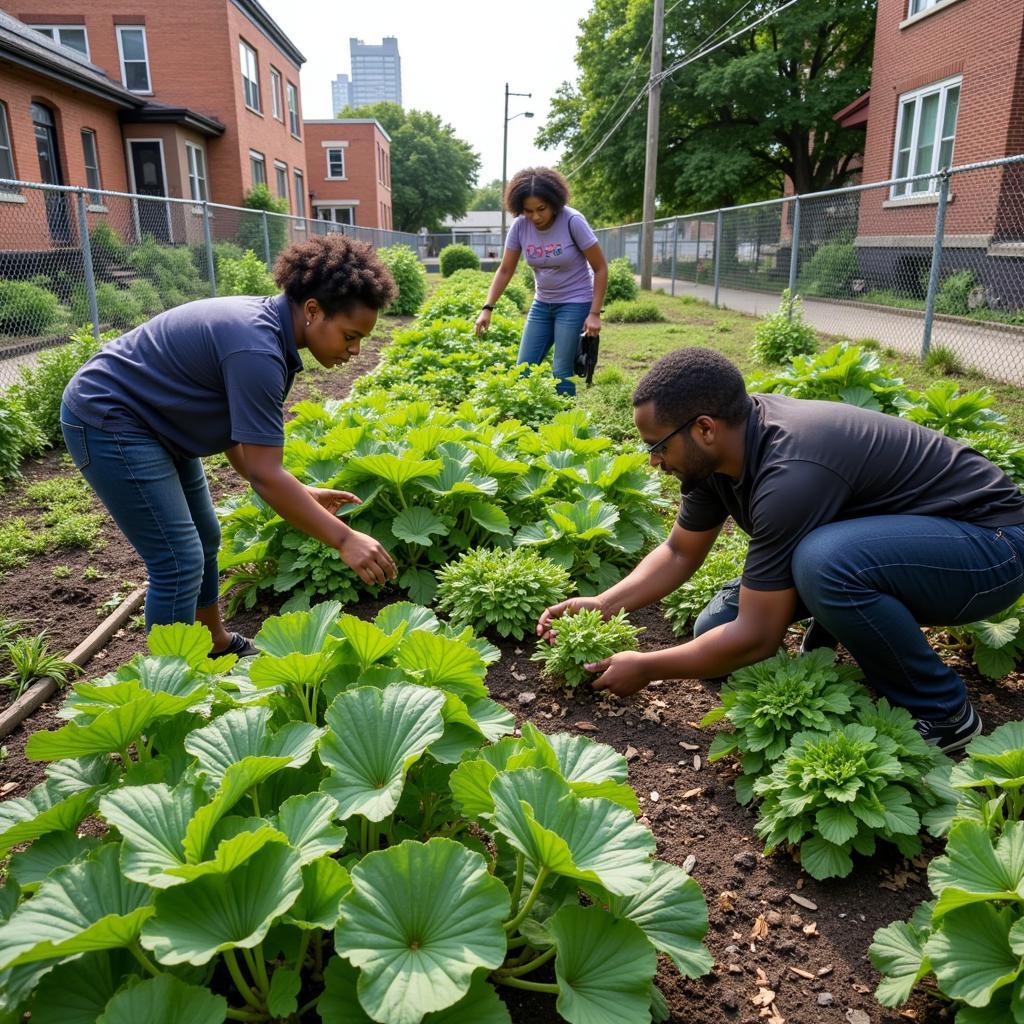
996 351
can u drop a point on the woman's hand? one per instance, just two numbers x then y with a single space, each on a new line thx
545 624
483 321
333 500
367 558
592 325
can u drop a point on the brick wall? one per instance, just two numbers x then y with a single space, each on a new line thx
367 169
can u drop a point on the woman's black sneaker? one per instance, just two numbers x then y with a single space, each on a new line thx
953 733
240 645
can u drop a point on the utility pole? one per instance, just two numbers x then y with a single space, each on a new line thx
504 151
651 159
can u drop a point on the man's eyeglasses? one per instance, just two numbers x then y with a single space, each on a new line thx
658 448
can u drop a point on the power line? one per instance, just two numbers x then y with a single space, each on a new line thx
678 65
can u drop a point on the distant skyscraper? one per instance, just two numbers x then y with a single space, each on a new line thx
376 72
341 94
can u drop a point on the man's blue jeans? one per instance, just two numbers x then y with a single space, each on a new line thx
162 505
559 324
873 582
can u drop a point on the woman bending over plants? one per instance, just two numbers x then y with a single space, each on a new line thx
568 265
212 376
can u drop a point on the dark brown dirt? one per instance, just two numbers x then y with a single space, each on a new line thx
814 961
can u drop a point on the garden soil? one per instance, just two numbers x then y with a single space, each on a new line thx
787 949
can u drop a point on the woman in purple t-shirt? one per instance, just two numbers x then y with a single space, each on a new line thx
568 265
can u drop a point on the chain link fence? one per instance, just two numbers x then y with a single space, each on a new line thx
73 259
917 264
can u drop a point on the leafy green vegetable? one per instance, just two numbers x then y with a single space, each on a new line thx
723 563
582 638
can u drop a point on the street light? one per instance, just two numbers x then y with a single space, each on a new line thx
504 150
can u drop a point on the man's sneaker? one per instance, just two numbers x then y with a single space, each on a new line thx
953 733
240 645
815 636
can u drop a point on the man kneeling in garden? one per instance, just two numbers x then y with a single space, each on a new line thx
870 523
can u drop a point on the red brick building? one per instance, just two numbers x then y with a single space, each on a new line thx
947 89
349 165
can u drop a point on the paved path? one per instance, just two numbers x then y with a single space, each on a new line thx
996 353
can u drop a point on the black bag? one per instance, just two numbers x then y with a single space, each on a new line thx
586 356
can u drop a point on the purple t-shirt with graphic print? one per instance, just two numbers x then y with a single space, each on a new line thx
556 255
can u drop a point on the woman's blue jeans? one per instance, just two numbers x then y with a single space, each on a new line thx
162 505
873 582
559 324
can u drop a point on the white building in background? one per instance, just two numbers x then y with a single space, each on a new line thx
341 94
376 72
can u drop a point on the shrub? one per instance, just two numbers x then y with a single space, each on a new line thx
118 307
19 436
621 282
953 292
410 277
457 257
582 638
221 250
781 335
145 295
250 231
171 269
245 276
26 308
830 270
105 241
504 588
641 312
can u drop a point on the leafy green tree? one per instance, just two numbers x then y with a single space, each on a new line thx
487 197
432 170
733 123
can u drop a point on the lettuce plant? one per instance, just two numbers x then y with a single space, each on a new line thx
942 407
769 702
581 638
996 644
838 792
506 589
723 563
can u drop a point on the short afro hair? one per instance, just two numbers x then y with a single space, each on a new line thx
693 382
542 182
338 271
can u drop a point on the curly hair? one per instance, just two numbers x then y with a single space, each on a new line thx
542 182
338 271
693 382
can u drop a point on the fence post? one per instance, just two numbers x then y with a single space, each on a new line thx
266 240
696 258
718 254
211 270
675 240
794 256
933 275
90 277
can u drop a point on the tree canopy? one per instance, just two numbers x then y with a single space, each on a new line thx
487 197
734 123
432 170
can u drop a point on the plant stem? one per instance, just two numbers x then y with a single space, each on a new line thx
243 986
136 951
517 885
530 986
516 943
262 978
233 1014
254 796
308 1006
374 829
516 921
514 972
303 948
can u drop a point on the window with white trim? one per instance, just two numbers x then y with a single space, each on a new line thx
336 163
6 153
917 6
281 176
134 54
925 131
196 172
293 110
92 163
300 195
337 214
250 75
73 36
275 93
257 168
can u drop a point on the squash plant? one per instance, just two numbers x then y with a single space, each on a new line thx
391 854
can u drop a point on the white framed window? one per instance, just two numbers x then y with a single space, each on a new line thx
281 179
335 163
925 131
337 214
73 36
293 111
92 162
917 6
300 195
134 54
6 153
196 172
250 76
276 106
257 168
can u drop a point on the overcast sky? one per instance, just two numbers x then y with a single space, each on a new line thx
456 57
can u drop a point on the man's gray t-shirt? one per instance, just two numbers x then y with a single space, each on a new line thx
808 463
201 377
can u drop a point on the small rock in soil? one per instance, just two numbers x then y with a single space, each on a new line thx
775 896
773 917
857 1017
586 727
785 946
527 697
826 999
803 901
745 860
631 753
688 864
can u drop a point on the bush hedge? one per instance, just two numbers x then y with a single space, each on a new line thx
457 257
